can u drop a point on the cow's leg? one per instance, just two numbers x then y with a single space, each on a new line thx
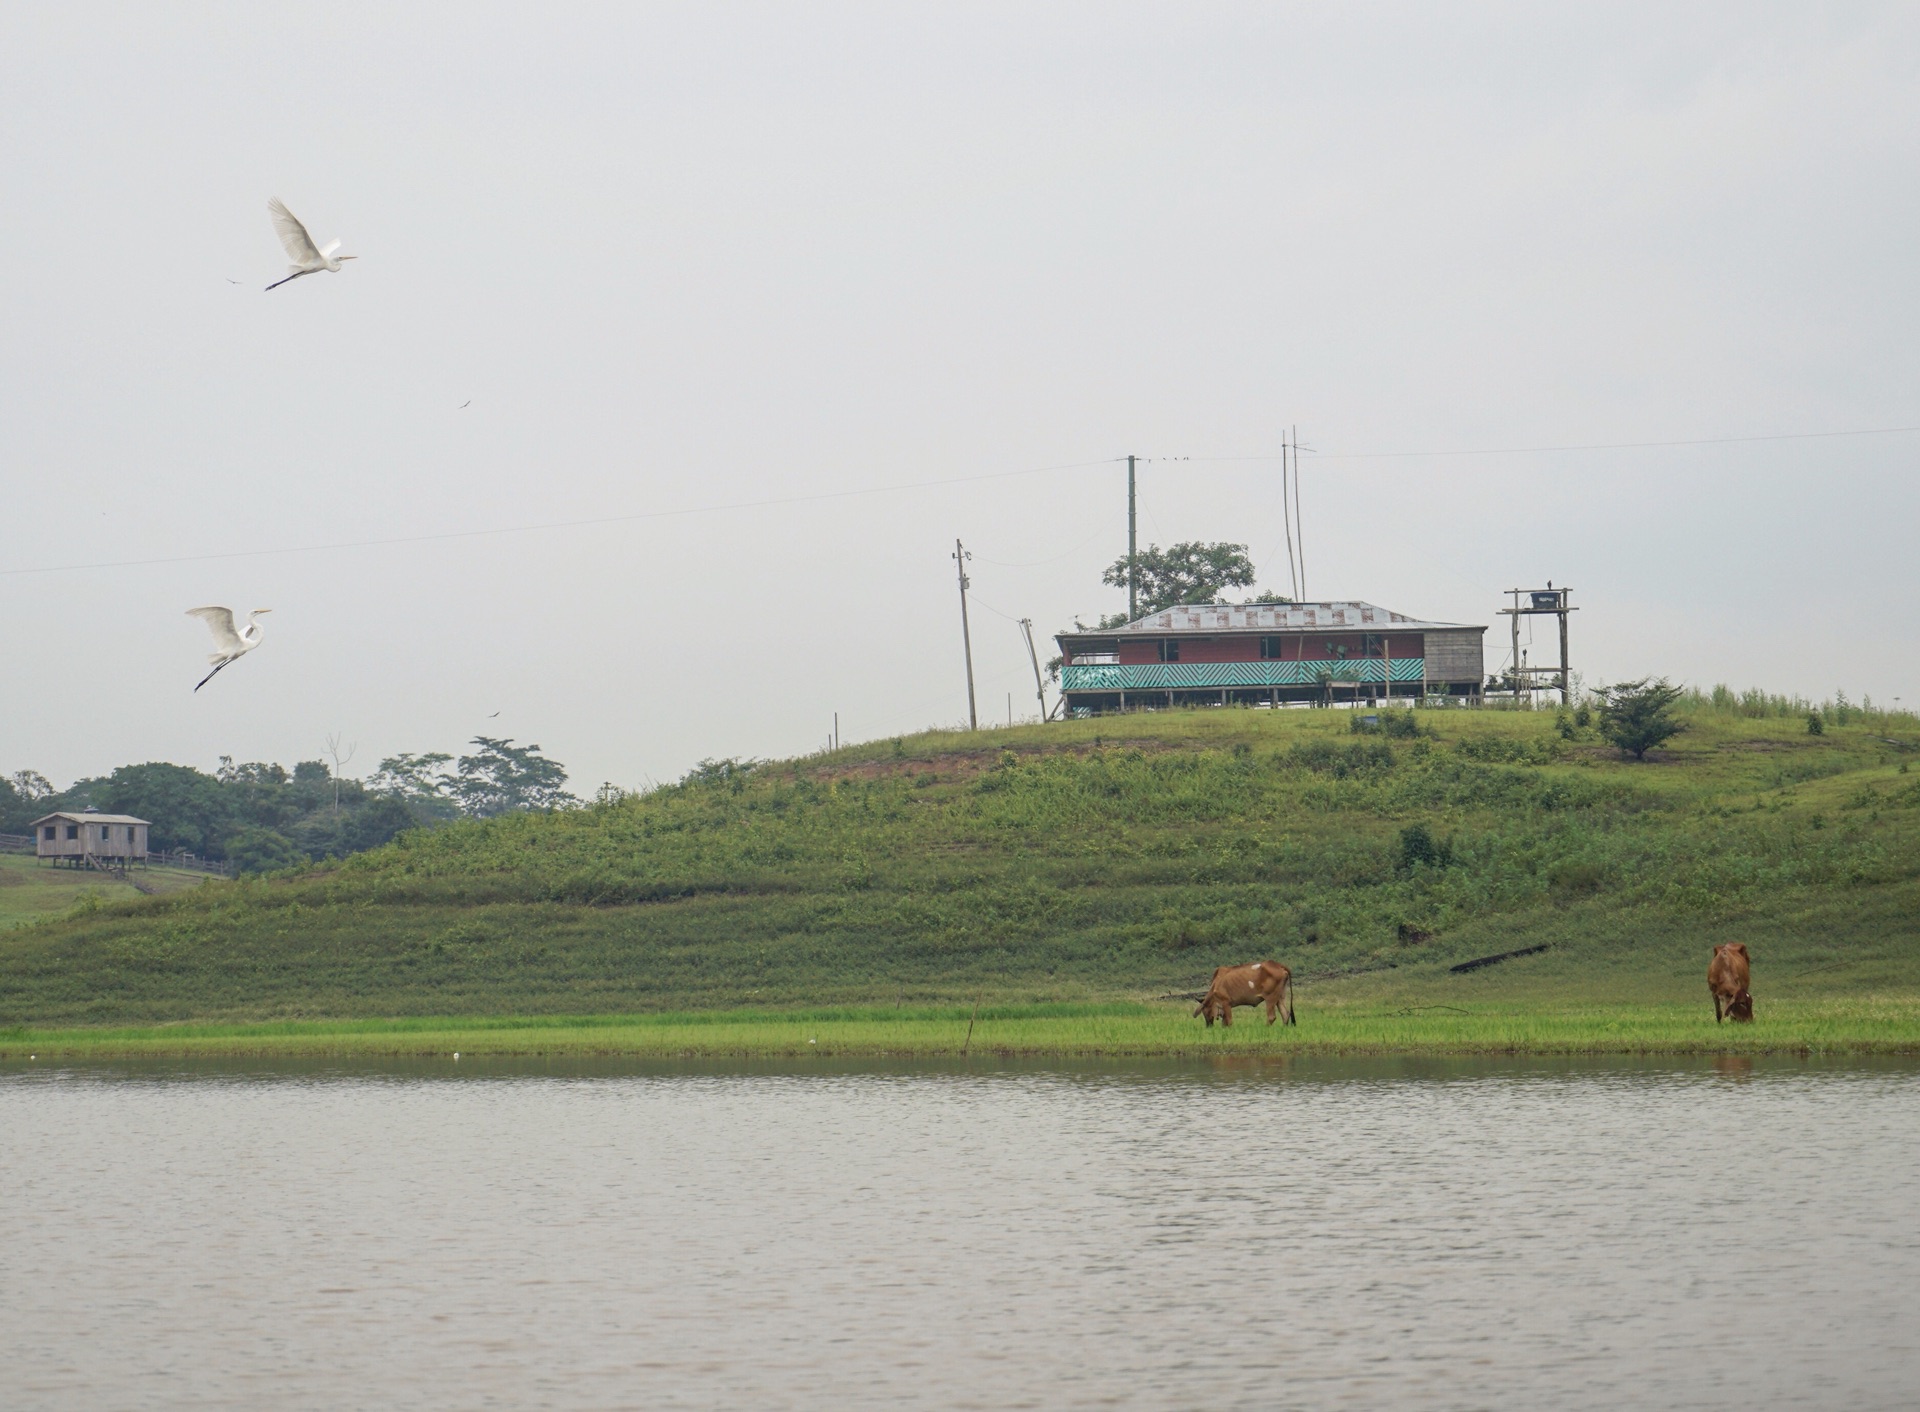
1717 1015
1273 1008
1226 1013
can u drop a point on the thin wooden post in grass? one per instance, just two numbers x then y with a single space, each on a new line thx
970 1019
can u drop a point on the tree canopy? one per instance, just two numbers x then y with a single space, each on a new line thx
1188 572
259 815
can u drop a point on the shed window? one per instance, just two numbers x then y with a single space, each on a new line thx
1273 647
104 832
47 833
1169 649
73 830
1370 644
129 833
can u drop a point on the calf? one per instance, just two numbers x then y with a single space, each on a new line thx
1263 983
1728 976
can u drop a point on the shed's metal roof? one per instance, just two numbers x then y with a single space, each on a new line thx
88 819
1339 616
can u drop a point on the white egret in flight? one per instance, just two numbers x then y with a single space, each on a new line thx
234 643
307 258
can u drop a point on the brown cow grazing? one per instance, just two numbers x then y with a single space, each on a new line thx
1263 983
1728 976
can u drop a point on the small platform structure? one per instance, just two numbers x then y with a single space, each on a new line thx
1269 654
91 840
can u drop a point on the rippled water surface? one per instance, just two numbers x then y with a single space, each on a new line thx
1387 1235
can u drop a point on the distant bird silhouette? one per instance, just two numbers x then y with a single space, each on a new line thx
307 258
233 643
494 714
464 405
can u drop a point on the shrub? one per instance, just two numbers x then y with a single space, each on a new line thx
1815 726
1325 757
254 850
1638 715
1398 725
1418 846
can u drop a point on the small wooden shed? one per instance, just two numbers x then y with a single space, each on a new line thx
88 838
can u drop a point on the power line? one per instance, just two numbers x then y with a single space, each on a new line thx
558 524
1050 559
1593 446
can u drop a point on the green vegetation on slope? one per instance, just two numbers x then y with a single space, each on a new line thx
1085 860
31 890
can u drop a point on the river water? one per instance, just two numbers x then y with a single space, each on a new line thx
1387 1234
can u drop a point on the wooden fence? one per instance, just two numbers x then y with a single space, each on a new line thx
158 858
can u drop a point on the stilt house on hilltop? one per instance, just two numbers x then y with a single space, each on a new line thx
1268 654
87 839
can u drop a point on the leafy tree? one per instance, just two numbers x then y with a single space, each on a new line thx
418 782
500 778
367 823
260 793
1188 572
188 809
258 850
1638 715
23 797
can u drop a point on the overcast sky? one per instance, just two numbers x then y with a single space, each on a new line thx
706 255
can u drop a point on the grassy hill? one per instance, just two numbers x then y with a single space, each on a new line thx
1079 861
32 891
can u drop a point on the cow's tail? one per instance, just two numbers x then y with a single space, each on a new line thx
1286 993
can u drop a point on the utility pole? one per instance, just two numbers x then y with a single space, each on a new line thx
1133 549
1039 687
960 557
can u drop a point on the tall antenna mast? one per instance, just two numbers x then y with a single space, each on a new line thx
1286 517
1299 523
1133 549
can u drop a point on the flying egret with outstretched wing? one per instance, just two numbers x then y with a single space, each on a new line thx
233 643
307 258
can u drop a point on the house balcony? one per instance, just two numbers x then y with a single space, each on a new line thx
1179 676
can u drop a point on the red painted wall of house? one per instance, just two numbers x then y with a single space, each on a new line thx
1247 648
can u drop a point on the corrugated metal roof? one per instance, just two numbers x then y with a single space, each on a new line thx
1339 616
88 819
